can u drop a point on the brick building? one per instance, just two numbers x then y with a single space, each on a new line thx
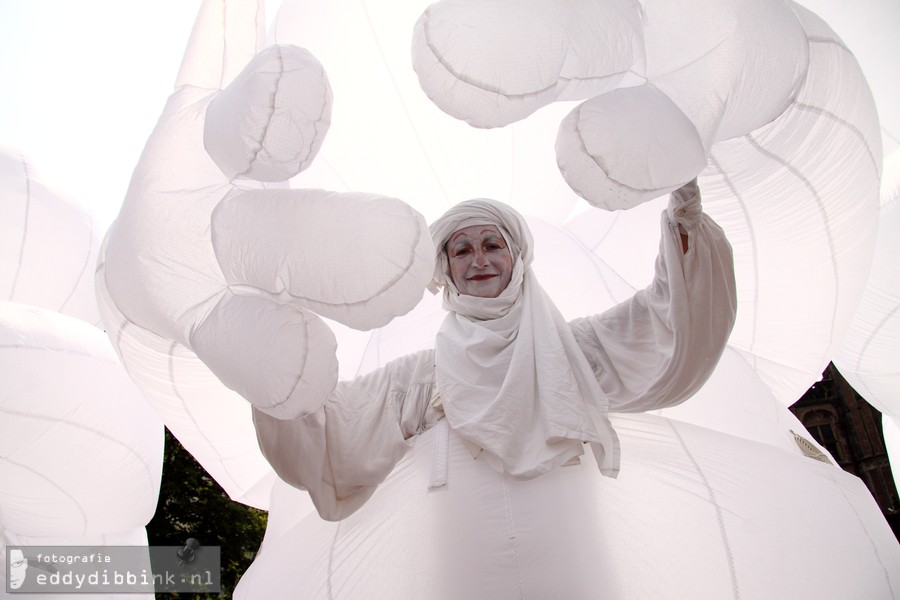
850 429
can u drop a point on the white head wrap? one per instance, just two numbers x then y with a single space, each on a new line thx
513 381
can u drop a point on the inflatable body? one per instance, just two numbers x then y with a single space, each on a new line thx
81 449
212 278
867 357
49 245
730 524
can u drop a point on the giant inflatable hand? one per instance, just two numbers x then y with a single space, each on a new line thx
669 88
664 80
205 261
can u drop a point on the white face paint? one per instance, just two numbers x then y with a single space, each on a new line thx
480 261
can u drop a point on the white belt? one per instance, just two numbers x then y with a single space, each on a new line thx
440 461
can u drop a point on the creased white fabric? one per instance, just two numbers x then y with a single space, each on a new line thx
513 381
660 346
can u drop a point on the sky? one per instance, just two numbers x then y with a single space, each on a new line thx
82 86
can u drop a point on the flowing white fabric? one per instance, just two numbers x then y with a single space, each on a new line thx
513 381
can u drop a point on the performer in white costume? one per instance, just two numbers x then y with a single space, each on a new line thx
523 389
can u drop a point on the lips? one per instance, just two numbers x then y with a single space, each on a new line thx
481 277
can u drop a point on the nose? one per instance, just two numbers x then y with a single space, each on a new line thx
480 258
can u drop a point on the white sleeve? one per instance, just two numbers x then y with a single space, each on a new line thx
658 348
341 452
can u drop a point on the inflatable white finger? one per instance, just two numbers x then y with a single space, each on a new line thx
205 260
490 71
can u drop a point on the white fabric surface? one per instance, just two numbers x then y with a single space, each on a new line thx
652 351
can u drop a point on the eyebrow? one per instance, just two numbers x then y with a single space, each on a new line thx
453 238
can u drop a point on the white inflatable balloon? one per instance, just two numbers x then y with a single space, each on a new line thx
48 245
892 441
630 145
869 30
868 358
81 450
204 273
694 514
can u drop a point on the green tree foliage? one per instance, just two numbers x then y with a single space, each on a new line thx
192 505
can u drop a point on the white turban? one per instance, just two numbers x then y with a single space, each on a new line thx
513 382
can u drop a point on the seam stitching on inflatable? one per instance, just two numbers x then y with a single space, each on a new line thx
718 510
330 573
265 131
84 269
598 260
306 352
171 372
27 174
596 162
387 286
872 336
833 474
79 426
496 90
754 250
825 225
318 131
826 113
56 486
471 81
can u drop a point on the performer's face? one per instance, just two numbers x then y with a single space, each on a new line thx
480 262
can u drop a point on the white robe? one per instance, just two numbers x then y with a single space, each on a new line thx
652 351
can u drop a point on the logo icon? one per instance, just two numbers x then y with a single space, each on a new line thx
186 554
18 568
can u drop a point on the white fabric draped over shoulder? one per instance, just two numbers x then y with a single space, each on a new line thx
650 352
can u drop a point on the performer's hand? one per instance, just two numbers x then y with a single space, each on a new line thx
685 210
